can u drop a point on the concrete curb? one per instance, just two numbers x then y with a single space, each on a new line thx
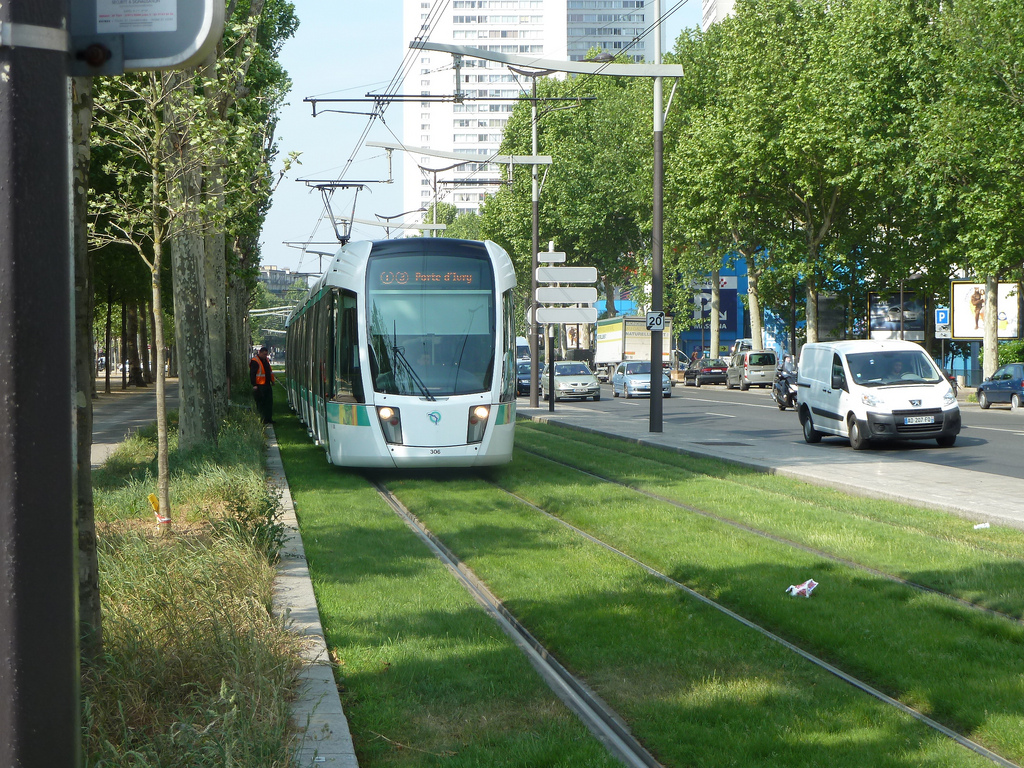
317 712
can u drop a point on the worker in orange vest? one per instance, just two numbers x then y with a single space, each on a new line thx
262 380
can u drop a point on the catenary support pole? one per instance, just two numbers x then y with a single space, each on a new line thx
535 206
39 704
657 282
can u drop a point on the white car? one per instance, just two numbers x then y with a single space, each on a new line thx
633 379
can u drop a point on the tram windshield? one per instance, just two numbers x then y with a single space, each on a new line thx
432 322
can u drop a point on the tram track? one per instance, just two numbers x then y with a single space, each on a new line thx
861 685
784 541
598 716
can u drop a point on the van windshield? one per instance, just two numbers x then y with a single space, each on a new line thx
892 368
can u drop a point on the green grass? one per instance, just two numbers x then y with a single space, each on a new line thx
195 671
695 686
427 678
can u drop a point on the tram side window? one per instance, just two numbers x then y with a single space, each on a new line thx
508 368
348 377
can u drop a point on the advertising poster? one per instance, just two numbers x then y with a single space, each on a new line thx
885 313
967 307
727 303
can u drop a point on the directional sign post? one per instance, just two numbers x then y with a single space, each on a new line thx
582 298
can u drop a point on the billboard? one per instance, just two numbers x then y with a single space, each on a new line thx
967 307
728 303
885 313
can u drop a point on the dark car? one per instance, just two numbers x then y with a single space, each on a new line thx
1004 386
523 378
705 371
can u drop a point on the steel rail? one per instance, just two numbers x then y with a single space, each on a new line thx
788 542
599 718
845 677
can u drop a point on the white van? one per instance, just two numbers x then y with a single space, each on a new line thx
868 390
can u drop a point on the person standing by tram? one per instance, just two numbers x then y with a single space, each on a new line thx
262 380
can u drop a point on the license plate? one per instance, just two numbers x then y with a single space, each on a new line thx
579 390
919 420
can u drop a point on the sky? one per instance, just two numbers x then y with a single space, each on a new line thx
346 49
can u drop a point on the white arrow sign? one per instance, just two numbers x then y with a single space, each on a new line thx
567 295
566 315
566 274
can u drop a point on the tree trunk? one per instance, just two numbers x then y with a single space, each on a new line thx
144 348
216 318
197 414
754 302
991 331
90 617
132 353
107 340
238 332
609 299
811 310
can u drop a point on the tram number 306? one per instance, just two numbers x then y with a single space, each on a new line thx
435 451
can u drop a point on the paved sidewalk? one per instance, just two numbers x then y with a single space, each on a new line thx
317 712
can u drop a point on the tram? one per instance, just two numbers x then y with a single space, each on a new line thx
403 354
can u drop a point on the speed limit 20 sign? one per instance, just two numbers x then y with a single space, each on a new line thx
655 321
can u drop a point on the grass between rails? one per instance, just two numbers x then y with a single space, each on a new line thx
698 688
427 676
695 686
196 671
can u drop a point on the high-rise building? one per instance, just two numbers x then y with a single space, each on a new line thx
550 29
713 11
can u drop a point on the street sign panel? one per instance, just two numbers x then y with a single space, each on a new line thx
551 257
567 295
142 34
655 321
566 274
566 315
942 316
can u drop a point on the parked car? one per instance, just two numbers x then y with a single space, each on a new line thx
633 379
751 369
1004 386
705 371
572 380
523 377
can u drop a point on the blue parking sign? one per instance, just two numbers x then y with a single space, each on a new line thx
942 316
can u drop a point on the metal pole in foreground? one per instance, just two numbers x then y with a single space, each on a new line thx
657 285
535 206
39 716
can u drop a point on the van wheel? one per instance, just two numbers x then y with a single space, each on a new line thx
946 441
857 440
744 385
811 435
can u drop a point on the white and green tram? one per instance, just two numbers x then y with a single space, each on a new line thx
404 355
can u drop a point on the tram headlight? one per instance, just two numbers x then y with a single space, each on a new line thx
478 416
390 424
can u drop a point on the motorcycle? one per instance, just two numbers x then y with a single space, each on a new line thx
784 388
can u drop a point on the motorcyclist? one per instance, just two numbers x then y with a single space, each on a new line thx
783 390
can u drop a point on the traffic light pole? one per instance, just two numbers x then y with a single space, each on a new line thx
39 691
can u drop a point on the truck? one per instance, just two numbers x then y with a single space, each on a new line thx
626 337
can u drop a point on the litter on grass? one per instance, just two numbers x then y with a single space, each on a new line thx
802 590
981 525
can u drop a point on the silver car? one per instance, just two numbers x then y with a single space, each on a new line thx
572 379
633 379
